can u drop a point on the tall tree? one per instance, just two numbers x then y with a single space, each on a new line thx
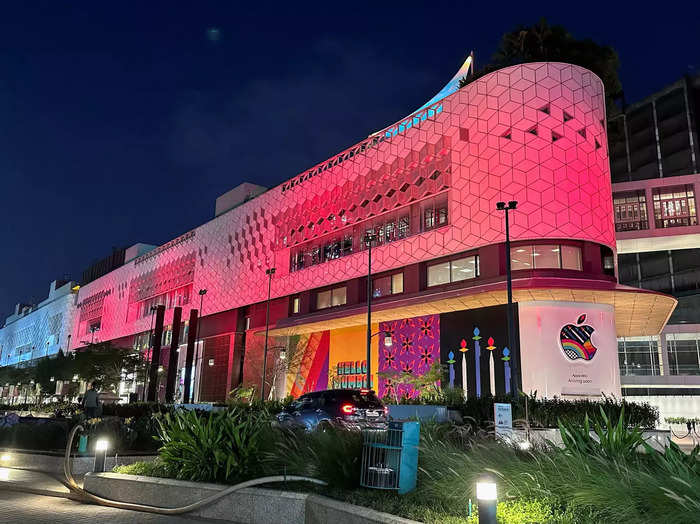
542 42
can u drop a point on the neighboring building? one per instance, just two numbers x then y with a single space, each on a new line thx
654 161
117 258
38 331
427 187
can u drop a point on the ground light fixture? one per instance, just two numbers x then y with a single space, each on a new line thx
524 445
487 497
101 447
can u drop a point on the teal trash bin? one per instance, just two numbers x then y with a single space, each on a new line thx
390 457
82 444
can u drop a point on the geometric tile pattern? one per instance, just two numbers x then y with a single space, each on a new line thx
534 133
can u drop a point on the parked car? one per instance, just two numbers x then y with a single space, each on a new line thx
350 408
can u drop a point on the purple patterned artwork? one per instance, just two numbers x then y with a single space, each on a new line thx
415 346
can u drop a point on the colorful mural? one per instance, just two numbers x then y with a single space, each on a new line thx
307 363
415 345
348 351
473 345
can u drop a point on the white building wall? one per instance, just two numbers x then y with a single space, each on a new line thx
42 332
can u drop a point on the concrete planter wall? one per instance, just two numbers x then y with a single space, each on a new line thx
53 463
420 412
249 506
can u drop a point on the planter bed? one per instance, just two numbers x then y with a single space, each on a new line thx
52 462
250 505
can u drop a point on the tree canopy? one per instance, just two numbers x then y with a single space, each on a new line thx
542 42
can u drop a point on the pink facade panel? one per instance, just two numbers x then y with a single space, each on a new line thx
534 133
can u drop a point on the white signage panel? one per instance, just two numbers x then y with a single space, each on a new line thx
568 349
503 418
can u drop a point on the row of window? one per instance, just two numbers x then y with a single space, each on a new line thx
385 229
546 256
642 355
175 298
456 270
673 206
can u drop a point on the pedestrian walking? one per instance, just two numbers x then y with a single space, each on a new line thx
91 401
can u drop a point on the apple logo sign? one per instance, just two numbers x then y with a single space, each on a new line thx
576 340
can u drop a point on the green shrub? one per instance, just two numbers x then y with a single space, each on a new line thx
41 436
542 413
213 447
332 455
616 441
154 468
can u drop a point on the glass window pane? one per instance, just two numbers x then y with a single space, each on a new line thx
397 283
381 287
546 256
521 257
463 268
323 299
571 258
438 274
339 296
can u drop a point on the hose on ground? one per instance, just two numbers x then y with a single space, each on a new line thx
72 485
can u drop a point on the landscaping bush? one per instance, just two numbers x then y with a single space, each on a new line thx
225 446
542 413
43 436
586 481
332 455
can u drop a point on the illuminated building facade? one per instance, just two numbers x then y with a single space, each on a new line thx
427 187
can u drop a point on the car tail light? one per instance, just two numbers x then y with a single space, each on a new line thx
347 409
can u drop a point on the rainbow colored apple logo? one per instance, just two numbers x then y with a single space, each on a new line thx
576 340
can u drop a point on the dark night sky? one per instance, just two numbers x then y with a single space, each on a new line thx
121 122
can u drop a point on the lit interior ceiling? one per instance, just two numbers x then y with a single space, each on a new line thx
637 312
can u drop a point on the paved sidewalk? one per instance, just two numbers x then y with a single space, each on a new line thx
34 482
30 509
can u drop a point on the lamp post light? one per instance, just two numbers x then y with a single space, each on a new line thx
101 447
200 351
487 497
148 354
369 238
510 206
269 272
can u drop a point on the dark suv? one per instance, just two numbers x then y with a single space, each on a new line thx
351 408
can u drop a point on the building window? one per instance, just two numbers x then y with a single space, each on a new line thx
674 206
296 303
545 256
630 211
683 353
453 270
435 213
388 285
639 356
331 298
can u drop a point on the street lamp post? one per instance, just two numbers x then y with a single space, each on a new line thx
269 272
202 292
511 206
148 354
369 238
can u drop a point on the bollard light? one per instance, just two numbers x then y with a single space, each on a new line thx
101 447
487 495
524 445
